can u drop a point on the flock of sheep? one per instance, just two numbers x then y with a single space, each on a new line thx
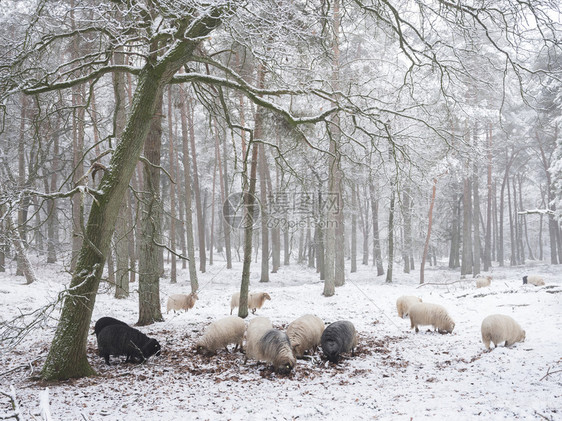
303 335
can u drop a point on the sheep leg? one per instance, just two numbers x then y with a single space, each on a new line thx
226 349
106 357
253 311
353 352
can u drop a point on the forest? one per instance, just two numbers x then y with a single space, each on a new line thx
150 147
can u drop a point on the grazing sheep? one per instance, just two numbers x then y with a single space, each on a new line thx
125 340
499 328
404 303
338 337
256 329
178 302
422 314
535 280
255 300
106 321
274 347
305 333
483 282
221 333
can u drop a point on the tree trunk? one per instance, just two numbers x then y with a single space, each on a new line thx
258 135
67 355
197 190
391 233
188 194
377 255
429 225
173 213
488 238
52 211
151 224
467 257
476 206
353 228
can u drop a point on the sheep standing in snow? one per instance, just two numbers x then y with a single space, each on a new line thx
305 334
404 303
106 321
338 337
221 333
256 329
423 314
274 347
255 300
483 282
178 302
535 280
128 341
499 328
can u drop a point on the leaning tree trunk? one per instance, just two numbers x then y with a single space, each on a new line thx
67 356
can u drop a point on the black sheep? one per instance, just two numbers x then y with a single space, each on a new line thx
106 321
338 337
128 341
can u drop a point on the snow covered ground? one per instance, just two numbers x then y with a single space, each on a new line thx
396 373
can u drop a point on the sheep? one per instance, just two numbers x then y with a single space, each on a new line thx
219 334
181 302
338 337
256 329
483 282
274 347
404 303
128 341
255 300
305 333
535 280
499 328
104 322
422 314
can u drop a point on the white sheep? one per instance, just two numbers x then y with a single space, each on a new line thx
255 300
535 280
483 282
256 329
404 303
423 314
499 328
304 334
221 333
178 302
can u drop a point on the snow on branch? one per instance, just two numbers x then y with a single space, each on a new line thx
16 413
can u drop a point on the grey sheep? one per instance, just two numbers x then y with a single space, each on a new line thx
337 338
106 321
274 347
125 340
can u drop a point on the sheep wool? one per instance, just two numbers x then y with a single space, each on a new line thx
274 347
338 337
106 321
499 328
256 329
125 340
221 333
423 314
178 302
483 282
305 333
404 303
535 280
255 300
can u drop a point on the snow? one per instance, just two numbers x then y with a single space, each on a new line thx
395 374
